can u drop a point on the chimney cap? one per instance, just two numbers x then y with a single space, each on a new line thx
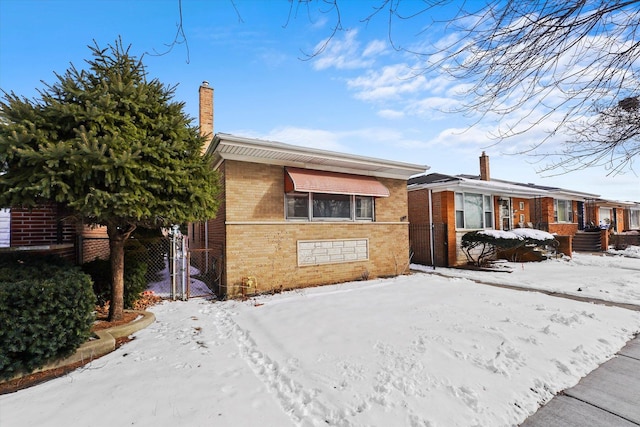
205 83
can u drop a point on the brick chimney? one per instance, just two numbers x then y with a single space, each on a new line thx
484 167
206 113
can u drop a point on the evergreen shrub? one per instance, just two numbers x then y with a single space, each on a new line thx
135 281
46 311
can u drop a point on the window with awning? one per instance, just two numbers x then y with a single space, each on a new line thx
314 195
315 181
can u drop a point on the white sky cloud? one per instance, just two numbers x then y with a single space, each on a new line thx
342 53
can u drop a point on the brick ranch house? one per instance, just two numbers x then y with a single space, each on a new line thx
293 216
442 208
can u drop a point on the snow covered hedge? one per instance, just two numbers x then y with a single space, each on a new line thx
46 311
481 246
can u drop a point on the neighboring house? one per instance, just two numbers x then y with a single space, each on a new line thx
632 217
44 229
49 229
610 214
442 208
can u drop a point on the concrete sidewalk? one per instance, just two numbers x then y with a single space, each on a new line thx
608 396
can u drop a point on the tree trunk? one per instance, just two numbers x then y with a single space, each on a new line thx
117 239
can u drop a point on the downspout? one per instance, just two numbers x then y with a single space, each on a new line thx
431 236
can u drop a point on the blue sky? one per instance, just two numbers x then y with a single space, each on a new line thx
359 96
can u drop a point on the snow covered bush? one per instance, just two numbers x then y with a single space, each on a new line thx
480 247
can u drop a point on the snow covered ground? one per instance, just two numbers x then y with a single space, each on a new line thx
608 276
417 350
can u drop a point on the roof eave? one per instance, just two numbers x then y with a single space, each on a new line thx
231 147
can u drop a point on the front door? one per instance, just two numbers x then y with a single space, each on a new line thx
505 214
580 215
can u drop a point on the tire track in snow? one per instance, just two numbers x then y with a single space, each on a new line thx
302 406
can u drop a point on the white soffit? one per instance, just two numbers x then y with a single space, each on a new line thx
487 187
230 147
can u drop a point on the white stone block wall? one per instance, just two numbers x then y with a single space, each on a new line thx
313 252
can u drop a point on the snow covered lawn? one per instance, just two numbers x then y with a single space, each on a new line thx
607 277
418 350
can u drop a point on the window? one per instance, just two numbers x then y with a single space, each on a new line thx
634 219
364 208
334 206
521 206
328 207
563 211
606 217
473 211
298 206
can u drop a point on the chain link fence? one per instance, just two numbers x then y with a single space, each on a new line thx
173 271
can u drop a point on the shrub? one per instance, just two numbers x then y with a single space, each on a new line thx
481 246
134 279
46 312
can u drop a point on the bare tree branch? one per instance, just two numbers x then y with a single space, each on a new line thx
179 38
564 64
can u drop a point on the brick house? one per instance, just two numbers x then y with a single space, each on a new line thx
442 208
294 216
614 215
44 229
49 229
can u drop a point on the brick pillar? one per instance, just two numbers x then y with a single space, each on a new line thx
604 240
206 113
566 245
484 167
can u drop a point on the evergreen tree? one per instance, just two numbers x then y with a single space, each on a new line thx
111 146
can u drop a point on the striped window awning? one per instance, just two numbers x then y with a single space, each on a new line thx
315 181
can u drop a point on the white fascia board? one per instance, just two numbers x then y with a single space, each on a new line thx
487 187
572 195
326 160
615 203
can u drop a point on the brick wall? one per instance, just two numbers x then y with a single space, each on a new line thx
620 220
216 228
205 113
268 252
94 243
94 248
418 206
260 243
254 192
44 225
515 203
448 215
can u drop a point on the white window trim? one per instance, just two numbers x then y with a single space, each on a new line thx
568 211
484 211
311 218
